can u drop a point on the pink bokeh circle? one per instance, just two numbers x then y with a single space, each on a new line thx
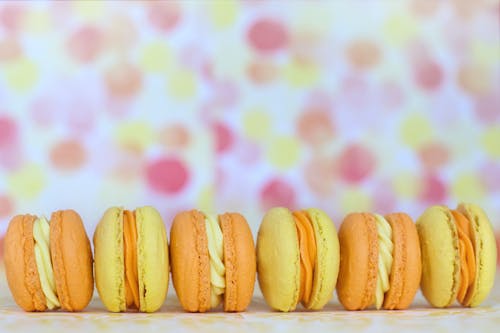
277 192
267 35
167 175
355 163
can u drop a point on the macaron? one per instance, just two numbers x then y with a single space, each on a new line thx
49 263
131 259
458 255
297 258
380 262
213 261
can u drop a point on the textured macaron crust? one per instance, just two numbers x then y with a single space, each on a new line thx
328 256
441 261
279 259
71 259
191 264
20 265
406 268
152 259
239 260
109 258
359 261
190 261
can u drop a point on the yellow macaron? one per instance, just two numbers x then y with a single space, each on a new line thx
131 259
458 255
297 258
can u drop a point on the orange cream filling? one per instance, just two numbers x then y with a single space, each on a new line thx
130 250
466 251
307 247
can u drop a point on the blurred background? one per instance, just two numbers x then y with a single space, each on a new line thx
243 105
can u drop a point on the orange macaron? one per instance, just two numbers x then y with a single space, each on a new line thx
380 261
212 261
49 264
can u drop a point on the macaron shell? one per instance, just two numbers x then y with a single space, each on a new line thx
239 261
71 260
327 262
278 261
485 250
190 261
358 261
406 270
109 260
152 259
20 264
440 256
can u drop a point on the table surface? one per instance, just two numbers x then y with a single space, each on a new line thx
258 317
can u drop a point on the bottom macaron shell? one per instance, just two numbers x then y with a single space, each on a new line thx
239 261
71 260
278 260
406 267
358 261
440 256
109 259
190 261
20 265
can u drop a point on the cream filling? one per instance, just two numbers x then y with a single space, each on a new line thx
41 232
216 253
385 246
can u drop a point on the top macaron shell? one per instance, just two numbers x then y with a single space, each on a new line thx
190 261
278 259
152 259
358 261
328 259
71 258
191 264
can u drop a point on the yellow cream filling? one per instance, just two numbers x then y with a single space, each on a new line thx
41 232
385 246
216 254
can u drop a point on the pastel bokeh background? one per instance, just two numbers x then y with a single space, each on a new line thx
239 106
